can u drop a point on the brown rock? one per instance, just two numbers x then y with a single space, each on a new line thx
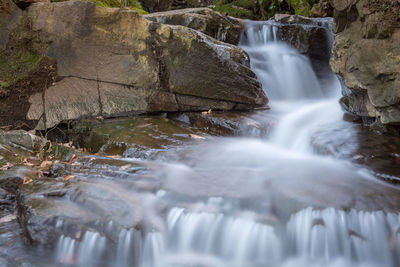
366 54
112 62
205 20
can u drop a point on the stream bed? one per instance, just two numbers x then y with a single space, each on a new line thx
297 185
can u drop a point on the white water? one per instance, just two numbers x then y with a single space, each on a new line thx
251 202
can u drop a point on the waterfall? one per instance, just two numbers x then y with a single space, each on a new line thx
245 202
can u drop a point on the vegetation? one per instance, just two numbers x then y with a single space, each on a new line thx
130 4
264 9
15 67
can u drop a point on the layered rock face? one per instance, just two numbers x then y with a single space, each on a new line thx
366 53
113 62
223 28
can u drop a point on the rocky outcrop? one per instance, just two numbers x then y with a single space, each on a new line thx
113 62
366 53
223 28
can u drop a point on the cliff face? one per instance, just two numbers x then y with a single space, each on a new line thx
366 53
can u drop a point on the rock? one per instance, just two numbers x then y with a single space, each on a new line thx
113 62
9 14
322 9
309 36
223 28
3 194
25 3
366 53
51 207
225 123
11 179
148 136
22 140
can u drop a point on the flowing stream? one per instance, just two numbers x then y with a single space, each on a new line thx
250 201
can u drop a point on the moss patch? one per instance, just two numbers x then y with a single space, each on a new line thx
16 67
130 4
263 9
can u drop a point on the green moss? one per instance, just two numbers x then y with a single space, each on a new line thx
130 4
232 10
17 66
263 9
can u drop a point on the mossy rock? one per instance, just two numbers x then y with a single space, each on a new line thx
263 9
16 66
129 4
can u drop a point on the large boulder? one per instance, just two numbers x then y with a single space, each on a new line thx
113 62
366 53
223 28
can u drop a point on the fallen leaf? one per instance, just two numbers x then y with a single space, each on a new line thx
27 180
196 136
114 156
46 164
207 112
66 178
72 158
122 168
143 125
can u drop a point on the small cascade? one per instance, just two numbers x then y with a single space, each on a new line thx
283 72
88 252
311 236
252 202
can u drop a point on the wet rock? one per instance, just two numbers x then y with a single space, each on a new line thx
225 123
205 20
362 145
366 54
3 193
141 137
309 36
51 207
22 140
11 179
109 70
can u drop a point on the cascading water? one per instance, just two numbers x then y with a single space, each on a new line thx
250 202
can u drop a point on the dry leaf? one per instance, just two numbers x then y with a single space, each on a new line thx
122 168
207 112
66 178
72 158
143 125
46 164
196 136
114 156
27 180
